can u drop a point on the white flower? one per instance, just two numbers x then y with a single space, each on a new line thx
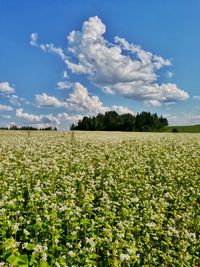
152 224
124 257
71 253
26 232
44 256
90 241
15 226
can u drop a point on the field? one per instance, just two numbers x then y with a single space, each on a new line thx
99 199
184 129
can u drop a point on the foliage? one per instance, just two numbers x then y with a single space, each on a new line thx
174 130
28 128
112 121
183 129
99 199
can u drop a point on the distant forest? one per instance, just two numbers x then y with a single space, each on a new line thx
112 121
28 128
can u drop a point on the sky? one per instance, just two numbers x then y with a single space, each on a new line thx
61 60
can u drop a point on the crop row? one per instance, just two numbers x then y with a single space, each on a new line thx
99 199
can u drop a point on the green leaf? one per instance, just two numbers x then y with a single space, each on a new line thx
20 260
13 259
8 243
33 261
23 259
30 246
44 264
93 256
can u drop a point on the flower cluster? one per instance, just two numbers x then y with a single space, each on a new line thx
99 199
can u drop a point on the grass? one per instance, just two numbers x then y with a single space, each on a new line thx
184 129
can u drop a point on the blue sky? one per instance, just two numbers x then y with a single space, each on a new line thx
60 60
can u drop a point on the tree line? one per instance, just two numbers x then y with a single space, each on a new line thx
112 121
28 128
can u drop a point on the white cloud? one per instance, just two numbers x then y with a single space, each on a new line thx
170 103
14 100
197 97
55 50
169 74
8 117
184 119
34 37
64 85
104 62
122 109
119 67
35 119
47 47
6 88
24 101
152 103
164 93
5 108
146 58
78 100
65 117
44 100
65 75
61 120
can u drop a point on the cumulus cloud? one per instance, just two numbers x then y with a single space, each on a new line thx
6 88
5 108
79 100
47 47
61 120
64 85
150 93
34 119
119 67
104 62
65 117
121 109
45 100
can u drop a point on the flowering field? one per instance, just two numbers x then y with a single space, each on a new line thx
99 199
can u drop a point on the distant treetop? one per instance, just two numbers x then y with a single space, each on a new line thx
112 121
28 128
